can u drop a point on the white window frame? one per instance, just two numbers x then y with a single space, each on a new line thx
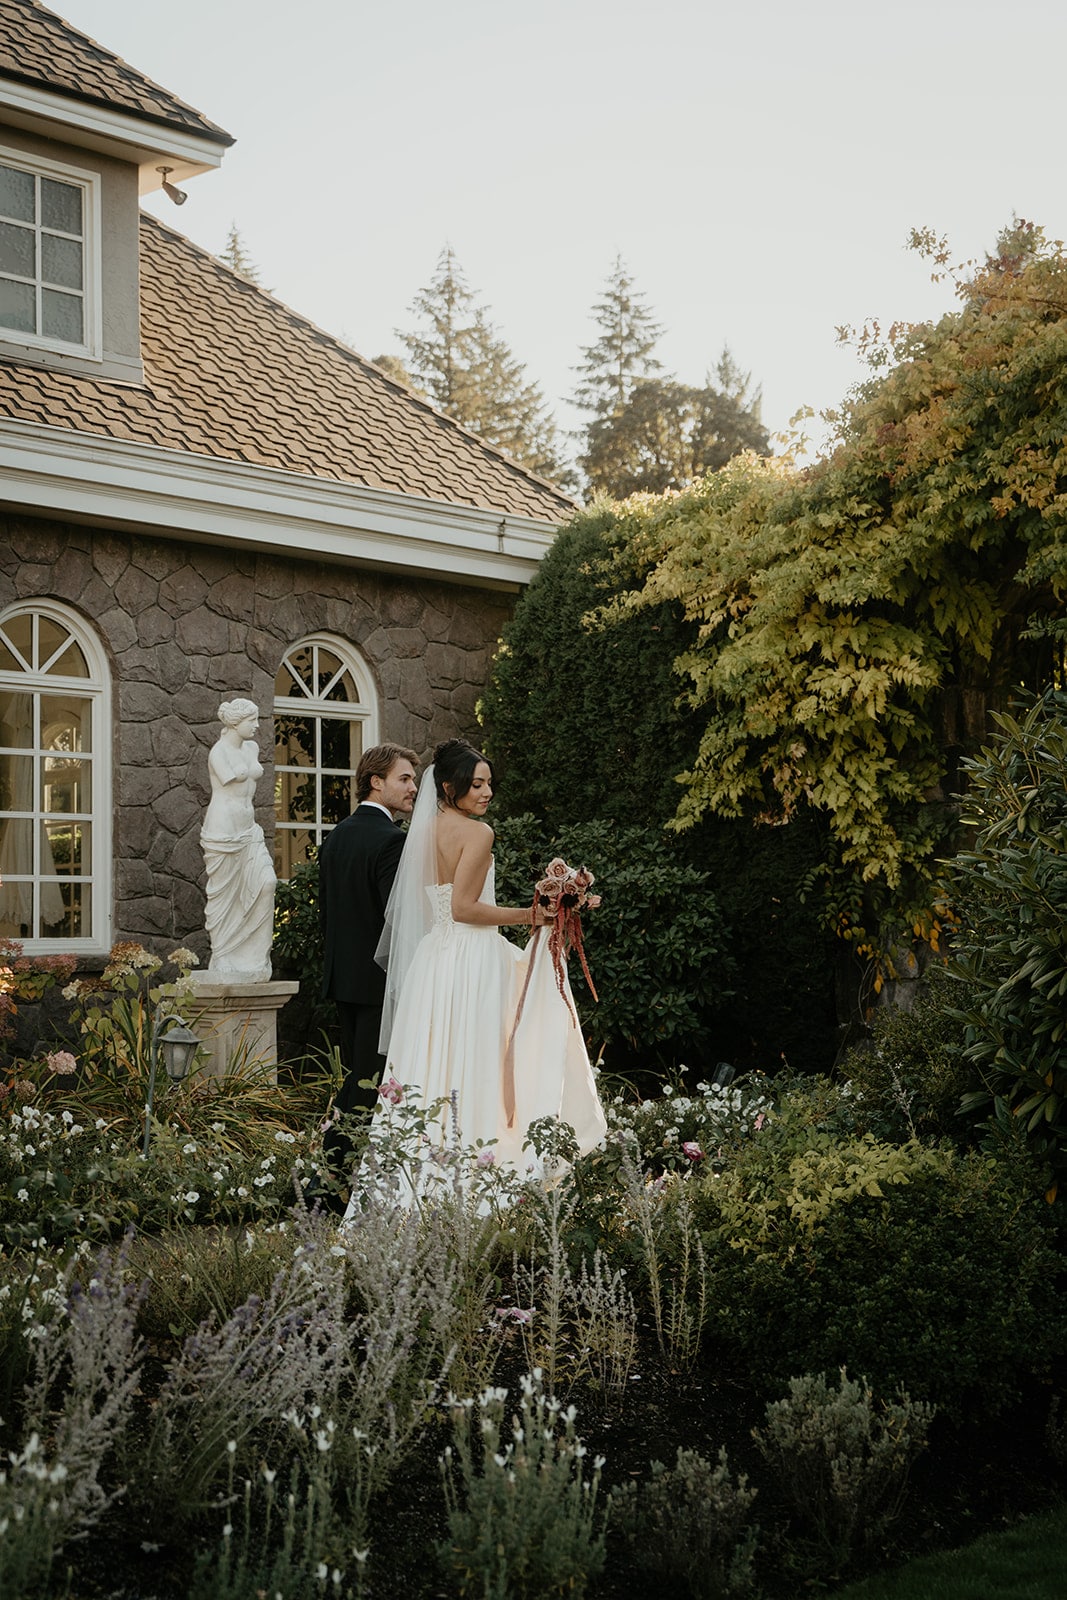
92 285
97 689
364 710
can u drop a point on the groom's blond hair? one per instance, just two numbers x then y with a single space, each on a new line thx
378 762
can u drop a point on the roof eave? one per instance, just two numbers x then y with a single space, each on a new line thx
174 494
141 141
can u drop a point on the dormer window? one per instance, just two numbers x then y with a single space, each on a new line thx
48 276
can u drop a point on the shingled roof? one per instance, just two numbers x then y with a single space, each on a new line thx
39 48
230 372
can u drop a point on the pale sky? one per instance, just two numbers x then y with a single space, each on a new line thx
758 166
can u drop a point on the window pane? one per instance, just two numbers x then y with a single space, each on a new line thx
340 744
66 786
344 689
61 206
66 723
296 797
61 261
19 632
71 664
16 783
51 637
16 847
18 306
291 847
338 798
329 667
65 910
17 194
62 316
64 848
17 250
16 910
295 675
294 741
16 720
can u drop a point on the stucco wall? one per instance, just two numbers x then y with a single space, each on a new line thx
188 625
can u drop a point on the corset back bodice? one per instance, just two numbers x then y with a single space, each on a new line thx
441 897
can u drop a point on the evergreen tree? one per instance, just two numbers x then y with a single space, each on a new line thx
236 256
394 368
469 372
622 355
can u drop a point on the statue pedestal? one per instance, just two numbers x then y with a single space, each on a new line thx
238 1022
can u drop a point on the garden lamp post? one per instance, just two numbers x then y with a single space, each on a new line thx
177 1045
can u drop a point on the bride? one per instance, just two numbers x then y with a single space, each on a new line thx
453 983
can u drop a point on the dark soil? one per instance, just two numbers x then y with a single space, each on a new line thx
976 1475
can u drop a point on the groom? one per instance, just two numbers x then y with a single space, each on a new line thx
357 864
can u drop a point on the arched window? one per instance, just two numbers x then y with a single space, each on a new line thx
55 780
325 716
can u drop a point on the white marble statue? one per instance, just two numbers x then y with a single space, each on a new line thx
240 874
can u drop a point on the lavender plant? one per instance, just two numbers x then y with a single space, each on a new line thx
74 1415
689 1527
842 1459
523 1518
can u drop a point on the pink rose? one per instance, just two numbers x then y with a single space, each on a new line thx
692 1150
557 868
391 1091
486 1158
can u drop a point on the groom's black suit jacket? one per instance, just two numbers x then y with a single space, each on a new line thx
357 865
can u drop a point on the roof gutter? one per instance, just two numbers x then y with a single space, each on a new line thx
175 494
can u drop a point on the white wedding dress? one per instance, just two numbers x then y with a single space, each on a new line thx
455 1017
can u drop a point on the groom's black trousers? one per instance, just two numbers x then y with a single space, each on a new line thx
360 1026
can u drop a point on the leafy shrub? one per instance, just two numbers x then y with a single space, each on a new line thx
522 1517
910 1078
919 1266
841 1459
297 953
688 1526
1010 947
586 721
657 947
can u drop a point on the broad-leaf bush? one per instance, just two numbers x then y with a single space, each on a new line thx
658 948
1011 945
915 1265
908 1080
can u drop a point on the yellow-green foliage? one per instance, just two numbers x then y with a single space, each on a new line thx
855 619
770 1212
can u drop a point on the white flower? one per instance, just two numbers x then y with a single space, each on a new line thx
189 1149
23 1195
192 1197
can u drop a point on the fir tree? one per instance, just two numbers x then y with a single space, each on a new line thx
236 256
470 373
622 355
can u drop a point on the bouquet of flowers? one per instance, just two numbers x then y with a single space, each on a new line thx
562 894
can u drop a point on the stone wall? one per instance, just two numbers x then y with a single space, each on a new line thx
188 625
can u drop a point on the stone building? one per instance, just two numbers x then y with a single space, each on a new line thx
202 496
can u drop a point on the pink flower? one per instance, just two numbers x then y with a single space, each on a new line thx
62 1063
557 868
391 1091
692 1150
760 1120
486 1158
515 1313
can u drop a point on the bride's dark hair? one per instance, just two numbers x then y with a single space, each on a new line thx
454 763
